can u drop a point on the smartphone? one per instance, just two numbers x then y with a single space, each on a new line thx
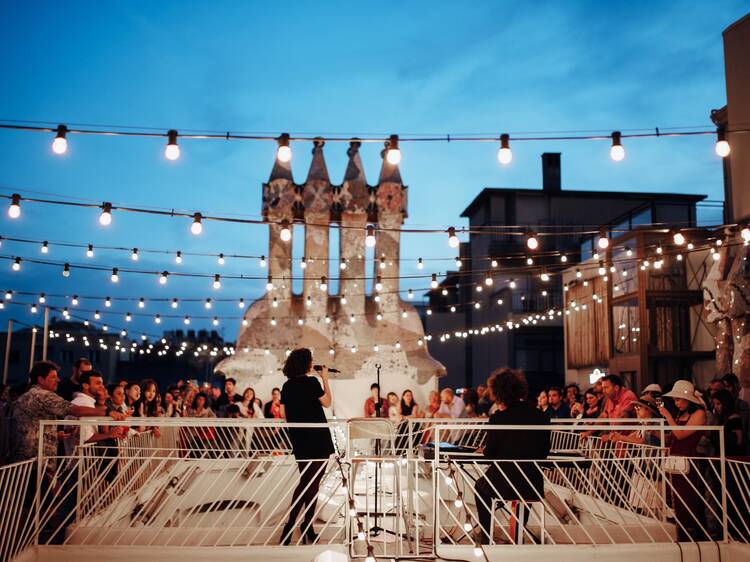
660 402
459 391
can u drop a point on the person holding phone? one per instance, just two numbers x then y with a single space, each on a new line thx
303 399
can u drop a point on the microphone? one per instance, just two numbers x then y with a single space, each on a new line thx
330 369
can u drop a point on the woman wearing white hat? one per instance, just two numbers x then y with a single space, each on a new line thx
687 500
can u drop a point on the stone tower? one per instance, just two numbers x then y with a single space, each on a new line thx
351 330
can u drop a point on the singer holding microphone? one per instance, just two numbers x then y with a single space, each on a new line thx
303 399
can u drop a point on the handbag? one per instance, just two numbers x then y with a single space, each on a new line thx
676 465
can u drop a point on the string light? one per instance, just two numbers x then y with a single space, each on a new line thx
344 300
42 298
617 151
343 264
458 263
14 209
434 282
493 263
504 154
221 260
60 142
16 264
90 251
262 262
544 276
393 154
141 303
115 275
275 303
323 284
97 315
722 147
215 321
420 263
603 241
382 262
488 279
45 247
172 150
197 226
745 233
284 151
66 270
512 284
269 284
303 263
370 236
286 232
217 281
628 252
178 258
105 217
175 303
679 238
157 319
578 273
378 284
410 294
186 320
74 300
453 241
532 242
241 303
163 277
134 255
564 258
208 304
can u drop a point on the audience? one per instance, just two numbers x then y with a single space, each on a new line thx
370 410
68 387
557 408
619 403
590 408
249 406
572 394
483 403
451 406
433 404
220 404
132 395
542 401
688 501
274 408
645 409
732 384
409 408
519 480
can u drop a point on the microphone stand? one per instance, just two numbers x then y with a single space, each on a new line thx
375 530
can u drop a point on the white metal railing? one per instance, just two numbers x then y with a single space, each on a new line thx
228 482
16 510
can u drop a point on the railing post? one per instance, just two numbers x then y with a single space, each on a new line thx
436 493
662 473
723 469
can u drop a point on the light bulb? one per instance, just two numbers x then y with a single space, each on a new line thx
453 241
163 277
115 275
529 261
221 259
722 146
745 233
353 349
262 262
457 502
532 242
504 154
352 318
343 264
274 302
42 298
45 247
603 241
74 300
157 319
284 152
215 321
410 294
128 317
285 233
393 153
512 284
241 304
578 273
178 258
197 227
141 303
370 237
617 152
488 279
629 252
303 263
269 284
186 321
90 251
379 316
208 303
382 262
420 264
544 276
679 238
434 282
344 300
66 270
217 281
378 284
105 217
564 258
60 144
33 309
108 302
14 210
175 303
134 255
172 150
16 264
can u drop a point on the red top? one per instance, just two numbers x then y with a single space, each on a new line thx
370 408
621 406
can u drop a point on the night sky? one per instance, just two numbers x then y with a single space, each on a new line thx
417 67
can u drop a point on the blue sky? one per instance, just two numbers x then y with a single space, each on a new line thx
340 67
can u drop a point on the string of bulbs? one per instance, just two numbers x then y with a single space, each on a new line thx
285 225
392 142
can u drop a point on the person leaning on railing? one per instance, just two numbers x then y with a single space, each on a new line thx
517 476
645 409
687 487
41 403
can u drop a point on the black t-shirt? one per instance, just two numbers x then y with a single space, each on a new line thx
67 388
301 399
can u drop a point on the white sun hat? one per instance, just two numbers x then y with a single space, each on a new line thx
653 387
685 390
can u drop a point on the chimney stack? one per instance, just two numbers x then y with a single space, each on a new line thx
551 171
